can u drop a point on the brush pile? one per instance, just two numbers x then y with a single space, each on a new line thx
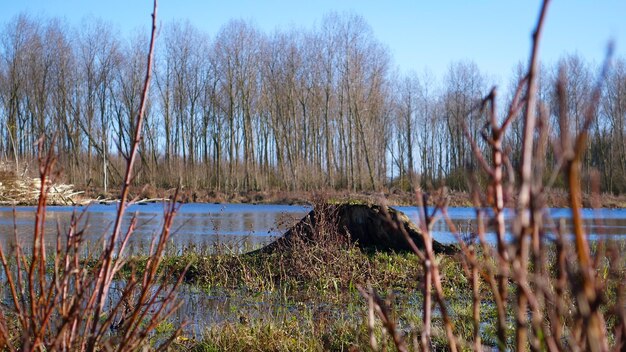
24 190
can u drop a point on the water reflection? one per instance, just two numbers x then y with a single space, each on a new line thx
202 226
242 227
599 223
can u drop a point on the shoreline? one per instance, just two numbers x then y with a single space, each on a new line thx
23 190
552 198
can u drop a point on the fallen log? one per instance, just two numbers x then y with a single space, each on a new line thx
370 226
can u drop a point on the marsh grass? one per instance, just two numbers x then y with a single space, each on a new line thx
321 308
284 305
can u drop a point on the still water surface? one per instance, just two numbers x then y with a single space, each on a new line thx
245 226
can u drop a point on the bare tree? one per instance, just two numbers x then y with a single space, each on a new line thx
613 111
463 84
298 109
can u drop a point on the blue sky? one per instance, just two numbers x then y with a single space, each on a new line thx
419 34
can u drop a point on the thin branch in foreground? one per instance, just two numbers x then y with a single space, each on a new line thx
106 274
384 315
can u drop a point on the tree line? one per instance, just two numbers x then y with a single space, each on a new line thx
298 109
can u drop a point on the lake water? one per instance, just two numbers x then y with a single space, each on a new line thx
243 226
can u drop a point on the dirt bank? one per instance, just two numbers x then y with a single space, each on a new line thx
552 198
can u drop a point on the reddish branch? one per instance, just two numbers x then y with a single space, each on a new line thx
105 277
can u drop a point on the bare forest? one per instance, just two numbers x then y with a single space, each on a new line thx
240 110
308 110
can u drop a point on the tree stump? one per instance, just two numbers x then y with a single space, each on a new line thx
369 226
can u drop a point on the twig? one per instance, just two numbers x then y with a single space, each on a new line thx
384 315
105 281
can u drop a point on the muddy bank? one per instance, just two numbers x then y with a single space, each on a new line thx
69 194
552 198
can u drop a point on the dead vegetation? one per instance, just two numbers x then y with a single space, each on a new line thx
23 190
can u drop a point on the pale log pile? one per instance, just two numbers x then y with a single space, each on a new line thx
23 190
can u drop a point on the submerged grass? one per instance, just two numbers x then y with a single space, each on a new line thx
312 289
314 270
315 304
